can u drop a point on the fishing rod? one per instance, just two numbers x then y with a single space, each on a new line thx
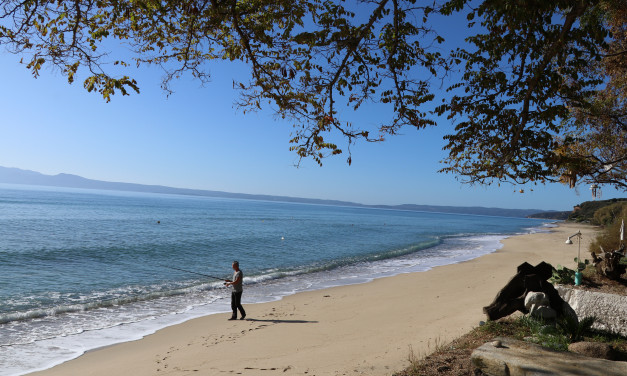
189 271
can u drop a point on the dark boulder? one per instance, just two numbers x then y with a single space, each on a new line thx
528 278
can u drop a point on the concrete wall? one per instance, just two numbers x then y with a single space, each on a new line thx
609 309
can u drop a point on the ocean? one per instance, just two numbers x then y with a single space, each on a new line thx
82 269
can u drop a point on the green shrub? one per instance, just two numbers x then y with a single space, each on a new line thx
563 276
609 238
608 215
574 329
581 264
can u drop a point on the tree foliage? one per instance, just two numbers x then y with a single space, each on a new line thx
540 94
599 154
532 94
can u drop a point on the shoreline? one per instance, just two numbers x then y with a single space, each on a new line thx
322 332
54 350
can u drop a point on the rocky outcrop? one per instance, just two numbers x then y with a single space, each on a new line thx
518 358
528 279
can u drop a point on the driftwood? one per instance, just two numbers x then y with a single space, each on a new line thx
608 263
512 297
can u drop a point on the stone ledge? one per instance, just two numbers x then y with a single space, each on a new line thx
519 358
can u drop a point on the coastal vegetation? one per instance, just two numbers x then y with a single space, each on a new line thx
611 217
598 212
536 90
608 249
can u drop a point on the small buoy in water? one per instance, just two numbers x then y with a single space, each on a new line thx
158 222
282 238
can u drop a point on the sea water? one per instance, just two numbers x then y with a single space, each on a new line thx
82 269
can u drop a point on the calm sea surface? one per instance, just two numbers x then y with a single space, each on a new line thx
81 269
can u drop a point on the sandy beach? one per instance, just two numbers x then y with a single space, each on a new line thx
367 329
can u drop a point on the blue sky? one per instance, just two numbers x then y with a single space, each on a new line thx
196 138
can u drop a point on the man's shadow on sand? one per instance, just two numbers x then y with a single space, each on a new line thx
277 321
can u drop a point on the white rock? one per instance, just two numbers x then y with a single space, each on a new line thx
537 298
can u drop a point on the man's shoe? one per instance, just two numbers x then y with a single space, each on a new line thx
233 318
243 317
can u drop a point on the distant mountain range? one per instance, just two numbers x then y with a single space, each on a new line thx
19 176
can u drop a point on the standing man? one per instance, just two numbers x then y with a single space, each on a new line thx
236 294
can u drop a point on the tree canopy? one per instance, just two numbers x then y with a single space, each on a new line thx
538 94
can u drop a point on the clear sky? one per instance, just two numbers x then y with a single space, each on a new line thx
197 139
